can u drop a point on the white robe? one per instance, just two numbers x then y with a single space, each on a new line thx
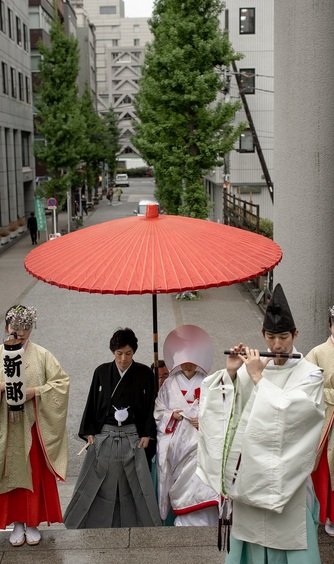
178 484
275 426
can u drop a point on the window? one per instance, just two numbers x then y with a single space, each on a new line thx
18 31
136 42
4 72
25 38
10 24
13 82
246 143
25 137
27 89
35 62
21 86
136 28
2 17
227 25
114 42
34 19
114 28
247 79
247 20
107 9
115 55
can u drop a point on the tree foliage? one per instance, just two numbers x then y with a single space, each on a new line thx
101 143
95 141
113 146
184 131
59 120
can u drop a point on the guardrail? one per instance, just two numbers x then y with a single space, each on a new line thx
240 213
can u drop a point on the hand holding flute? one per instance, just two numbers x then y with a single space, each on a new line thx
239 355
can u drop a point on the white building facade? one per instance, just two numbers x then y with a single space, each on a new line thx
120 51
251 32
16 114
85 32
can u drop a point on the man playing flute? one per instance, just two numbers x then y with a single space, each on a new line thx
259 426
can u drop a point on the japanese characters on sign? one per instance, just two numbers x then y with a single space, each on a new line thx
14 371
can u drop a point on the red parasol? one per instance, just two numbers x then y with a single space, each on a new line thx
153 254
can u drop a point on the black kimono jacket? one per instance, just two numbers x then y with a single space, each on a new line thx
139 379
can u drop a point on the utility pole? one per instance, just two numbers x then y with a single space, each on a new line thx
257 145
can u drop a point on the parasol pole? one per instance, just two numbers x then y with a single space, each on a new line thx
155 339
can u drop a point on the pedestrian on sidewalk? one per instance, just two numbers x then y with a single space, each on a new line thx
323 476
114 487
32 227
84 203
33 442
188 353
264 415
110 195
118 193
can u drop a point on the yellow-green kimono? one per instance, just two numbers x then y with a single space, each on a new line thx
47 410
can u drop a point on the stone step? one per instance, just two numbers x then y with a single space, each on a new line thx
160 545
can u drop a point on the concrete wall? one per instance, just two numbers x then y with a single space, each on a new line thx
304 163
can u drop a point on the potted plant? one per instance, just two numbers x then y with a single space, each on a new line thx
4 235
13 230
21 224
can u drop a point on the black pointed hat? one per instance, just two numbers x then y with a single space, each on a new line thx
278 318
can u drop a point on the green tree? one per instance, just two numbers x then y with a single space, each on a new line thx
184 131
96 142
101 143
113 146
59 120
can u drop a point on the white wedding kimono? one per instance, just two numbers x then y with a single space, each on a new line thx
272 430
178 484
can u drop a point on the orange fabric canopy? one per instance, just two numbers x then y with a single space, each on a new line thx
154 255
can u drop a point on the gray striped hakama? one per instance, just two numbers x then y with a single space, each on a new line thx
114 487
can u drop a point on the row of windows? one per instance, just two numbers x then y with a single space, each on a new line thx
15 84
115 42
247 76
17 31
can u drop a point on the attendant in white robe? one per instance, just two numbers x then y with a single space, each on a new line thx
260 424
188 354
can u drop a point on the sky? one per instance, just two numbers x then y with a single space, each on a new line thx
138 8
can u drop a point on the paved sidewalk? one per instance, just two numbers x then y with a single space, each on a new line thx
76 327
